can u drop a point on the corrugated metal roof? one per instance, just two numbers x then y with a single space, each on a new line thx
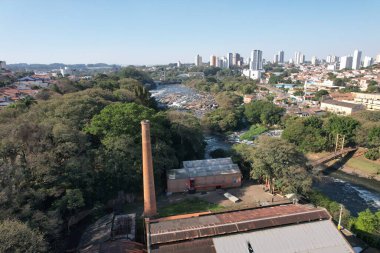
197 246
207 162
232 222
202 168
313 237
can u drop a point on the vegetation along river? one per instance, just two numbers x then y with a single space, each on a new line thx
355 193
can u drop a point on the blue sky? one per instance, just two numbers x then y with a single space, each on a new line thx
162 31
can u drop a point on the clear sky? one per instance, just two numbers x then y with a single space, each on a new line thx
162 31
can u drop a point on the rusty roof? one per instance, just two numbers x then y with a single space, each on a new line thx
205 245
209 225
116 246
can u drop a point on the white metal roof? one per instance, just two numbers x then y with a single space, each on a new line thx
313 237
207 162
202 168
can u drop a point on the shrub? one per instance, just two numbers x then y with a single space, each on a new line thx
372 154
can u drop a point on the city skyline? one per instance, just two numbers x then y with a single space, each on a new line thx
148 33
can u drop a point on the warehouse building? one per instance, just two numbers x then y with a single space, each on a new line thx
283 228
203 175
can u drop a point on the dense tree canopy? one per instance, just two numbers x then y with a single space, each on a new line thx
280 162
16 236
307 133
264 112
66 153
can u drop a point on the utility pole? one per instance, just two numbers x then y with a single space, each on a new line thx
340 217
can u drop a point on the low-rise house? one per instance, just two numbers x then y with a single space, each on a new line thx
30 82
248 99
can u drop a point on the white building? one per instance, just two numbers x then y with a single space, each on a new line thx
357 59
377 60
314 60
256 60
236 59
339 107
331 67
222 62
198 60
179 64
345 62
370 100
253 74
368 61
299 58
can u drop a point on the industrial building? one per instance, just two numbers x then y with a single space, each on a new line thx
283 228
278 228
203 175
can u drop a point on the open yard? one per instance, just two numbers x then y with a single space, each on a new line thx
189 205
365 165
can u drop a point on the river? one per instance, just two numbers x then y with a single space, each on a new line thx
357 194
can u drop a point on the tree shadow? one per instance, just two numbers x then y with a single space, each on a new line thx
339 163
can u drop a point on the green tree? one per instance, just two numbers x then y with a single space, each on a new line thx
222 120
118 128
188 140
306 133
299 93
282 164
342 125
228 100
16 236
319 94
264 112
374 137
368 222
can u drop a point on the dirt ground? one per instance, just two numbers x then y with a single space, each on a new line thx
250 195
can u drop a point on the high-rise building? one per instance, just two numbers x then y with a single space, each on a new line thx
3 64
222 62
356 62
299 58
236 59
179 64
377 60
256 60
368 61
345 62
314 60
281 56
329 59
198 60
229 60
213 61
275 58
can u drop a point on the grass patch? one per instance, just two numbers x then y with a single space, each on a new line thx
363 164
189 206
253 131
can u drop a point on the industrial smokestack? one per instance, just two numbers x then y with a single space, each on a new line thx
150 208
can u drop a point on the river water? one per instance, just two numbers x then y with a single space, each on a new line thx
356 194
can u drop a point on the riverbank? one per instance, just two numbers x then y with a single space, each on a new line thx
355 165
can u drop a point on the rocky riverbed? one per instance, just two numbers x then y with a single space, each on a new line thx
184 98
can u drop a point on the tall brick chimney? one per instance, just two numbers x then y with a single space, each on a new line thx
150 208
